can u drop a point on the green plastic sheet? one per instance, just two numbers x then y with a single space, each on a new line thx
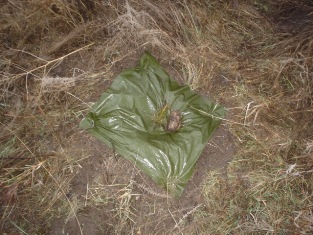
151 120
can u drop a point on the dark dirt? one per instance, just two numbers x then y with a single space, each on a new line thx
152 211
292 19
92 222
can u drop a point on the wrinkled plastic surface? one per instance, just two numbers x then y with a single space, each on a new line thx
131 117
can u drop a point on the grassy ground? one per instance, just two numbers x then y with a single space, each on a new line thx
254 57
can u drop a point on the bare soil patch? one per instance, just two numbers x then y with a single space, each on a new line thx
153 211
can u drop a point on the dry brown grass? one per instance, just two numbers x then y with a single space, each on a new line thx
253 57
